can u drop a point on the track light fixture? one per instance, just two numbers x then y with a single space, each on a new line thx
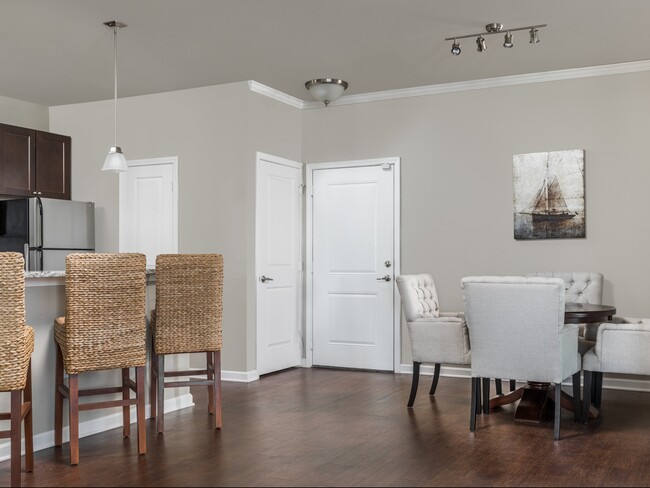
495 28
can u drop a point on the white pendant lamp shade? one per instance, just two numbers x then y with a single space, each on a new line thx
115 160
326 90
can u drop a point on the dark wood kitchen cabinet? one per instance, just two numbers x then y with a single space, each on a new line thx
34 163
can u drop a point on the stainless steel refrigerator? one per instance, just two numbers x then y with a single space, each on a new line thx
46 230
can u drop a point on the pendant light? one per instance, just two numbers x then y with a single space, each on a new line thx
115 160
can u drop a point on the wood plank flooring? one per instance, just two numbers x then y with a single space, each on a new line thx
320 427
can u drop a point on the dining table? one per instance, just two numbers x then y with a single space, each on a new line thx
535 398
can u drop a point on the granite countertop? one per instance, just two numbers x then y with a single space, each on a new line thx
61 274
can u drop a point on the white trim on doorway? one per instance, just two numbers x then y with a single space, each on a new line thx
309 168
173 160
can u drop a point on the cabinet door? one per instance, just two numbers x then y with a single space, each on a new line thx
52 165
17 165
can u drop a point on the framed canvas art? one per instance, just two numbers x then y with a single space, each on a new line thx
549 194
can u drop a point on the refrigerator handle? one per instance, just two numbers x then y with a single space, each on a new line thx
40 222
26 255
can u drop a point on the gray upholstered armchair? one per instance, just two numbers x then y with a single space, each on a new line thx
436 337
621 347
516 326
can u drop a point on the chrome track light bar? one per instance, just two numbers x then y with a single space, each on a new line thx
495 28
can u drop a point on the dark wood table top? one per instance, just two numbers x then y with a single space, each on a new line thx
583 313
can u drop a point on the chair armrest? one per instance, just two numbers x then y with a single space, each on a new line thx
439 320
460 315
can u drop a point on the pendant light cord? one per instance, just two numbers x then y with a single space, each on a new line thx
115 81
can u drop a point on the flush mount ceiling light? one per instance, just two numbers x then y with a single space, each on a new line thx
495 28
115 160
326 90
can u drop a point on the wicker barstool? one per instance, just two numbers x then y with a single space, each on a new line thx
187 318
104 328
16 347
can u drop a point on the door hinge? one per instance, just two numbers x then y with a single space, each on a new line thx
301 189
387 166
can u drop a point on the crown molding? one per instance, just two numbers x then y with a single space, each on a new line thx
267 91
419 91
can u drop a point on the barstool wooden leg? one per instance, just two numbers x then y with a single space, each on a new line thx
58 399
29 429
139 386
16 397
217 389
73 404
210 368
126 410
160 419
153 383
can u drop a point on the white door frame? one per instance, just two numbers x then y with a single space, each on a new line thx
259 157
397 319
173 160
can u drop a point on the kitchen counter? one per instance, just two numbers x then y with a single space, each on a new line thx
54 278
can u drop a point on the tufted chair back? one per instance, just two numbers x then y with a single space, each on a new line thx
419 296
581 286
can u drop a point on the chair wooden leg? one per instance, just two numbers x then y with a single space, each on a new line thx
153 382
436 377
577 405
478 396
513 385
29 427
217 389
414 384
598 387
58 399
160 419
210 368
73 405
139 394
16 403
558 412
486 396
473 409
498 386
586 395
126 410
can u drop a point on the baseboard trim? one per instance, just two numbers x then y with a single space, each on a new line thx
45 440
609 382
240 376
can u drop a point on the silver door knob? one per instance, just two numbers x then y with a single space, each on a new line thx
385 278
264 279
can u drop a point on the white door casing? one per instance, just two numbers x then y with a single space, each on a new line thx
353 222
278 259
149 208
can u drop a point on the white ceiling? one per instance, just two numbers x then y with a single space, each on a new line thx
56 52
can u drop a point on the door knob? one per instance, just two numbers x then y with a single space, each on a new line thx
264 279
385 278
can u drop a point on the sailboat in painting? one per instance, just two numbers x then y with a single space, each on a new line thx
549 203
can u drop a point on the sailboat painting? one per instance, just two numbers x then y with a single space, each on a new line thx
549 194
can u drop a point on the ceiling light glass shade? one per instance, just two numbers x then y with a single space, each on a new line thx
480 44
533 36
326 90
115 161
455 48
507 40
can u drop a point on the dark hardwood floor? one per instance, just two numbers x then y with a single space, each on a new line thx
321 427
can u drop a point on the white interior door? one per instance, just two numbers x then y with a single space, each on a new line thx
279 269
353 251
148 208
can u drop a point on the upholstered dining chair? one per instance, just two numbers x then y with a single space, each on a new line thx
187 319
516 327
16 347
621 347
436 337
104 328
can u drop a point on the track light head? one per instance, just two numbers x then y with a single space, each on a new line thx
507 40
480 44
455 48
534 39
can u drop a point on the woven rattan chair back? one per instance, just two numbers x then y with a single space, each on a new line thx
105 324
14 352
189 297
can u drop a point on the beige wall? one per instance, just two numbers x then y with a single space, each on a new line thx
210 131
23 114
456 152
